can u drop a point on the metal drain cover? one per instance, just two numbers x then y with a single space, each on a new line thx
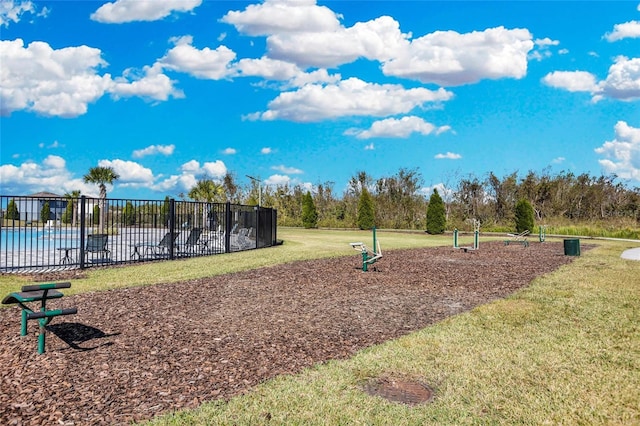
402 391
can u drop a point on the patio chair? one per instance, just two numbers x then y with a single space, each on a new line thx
97 244
161 249
191 243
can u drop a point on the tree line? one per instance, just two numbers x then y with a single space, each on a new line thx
399 203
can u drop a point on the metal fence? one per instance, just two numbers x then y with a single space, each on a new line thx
43 233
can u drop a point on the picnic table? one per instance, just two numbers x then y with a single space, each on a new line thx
38 293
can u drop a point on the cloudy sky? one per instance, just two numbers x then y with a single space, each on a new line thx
306 92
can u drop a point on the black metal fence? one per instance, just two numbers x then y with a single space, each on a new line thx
40 233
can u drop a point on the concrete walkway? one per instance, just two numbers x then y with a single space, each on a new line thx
631 254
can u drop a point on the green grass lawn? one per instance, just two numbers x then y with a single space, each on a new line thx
565 350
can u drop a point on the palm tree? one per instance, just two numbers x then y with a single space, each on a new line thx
102 176
73 198
209 191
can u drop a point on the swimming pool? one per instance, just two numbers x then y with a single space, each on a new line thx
21 239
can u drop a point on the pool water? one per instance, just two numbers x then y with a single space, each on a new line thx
18 239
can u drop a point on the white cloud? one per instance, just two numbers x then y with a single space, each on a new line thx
206 63
266 150
309 35
370 147
152 85
51 82
130 172
541 50
449 58
190 173
50 175
277 180
622 82
558 160
629 29
622 155
448 156
63 82
288 170
273 69
283 16
379 39
398 128
445 193
573 81
121 11
153 150
352 97
12 11
229 151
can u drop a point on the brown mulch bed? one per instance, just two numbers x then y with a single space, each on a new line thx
134 353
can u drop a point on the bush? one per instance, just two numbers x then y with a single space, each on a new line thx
12 211
436 214
309 212
366 216
524 216
45 213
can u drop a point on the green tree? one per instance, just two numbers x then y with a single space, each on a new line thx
366 214
436 214
165 210
68 213
129 214
45 212
12 210
524 216
309 212
101 176
207 190
72 198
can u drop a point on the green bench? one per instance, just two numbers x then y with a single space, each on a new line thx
39 293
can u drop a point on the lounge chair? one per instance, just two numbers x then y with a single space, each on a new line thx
241 241
191 243
161 249
97 244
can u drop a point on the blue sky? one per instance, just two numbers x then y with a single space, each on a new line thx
306 92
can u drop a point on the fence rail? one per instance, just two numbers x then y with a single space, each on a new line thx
43 233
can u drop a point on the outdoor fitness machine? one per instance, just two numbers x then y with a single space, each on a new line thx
369 257
476 236
542 234
41 293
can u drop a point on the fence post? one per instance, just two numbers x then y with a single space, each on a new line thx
257 228
83 225
172 227
228 227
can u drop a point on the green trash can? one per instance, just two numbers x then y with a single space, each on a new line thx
572 247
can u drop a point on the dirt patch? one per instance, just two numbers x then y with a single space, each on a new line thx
134 353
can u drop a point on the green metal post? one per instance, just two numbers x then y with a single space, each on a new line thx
455 238
374 238
475 239
23 324
364 260
542 234
42 322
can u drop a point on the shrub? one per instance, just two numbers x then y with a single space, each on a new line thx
436 214
12 211
366 216
524 216
309 212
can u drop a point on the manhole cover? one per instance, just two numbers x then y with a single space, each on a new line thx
403 391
